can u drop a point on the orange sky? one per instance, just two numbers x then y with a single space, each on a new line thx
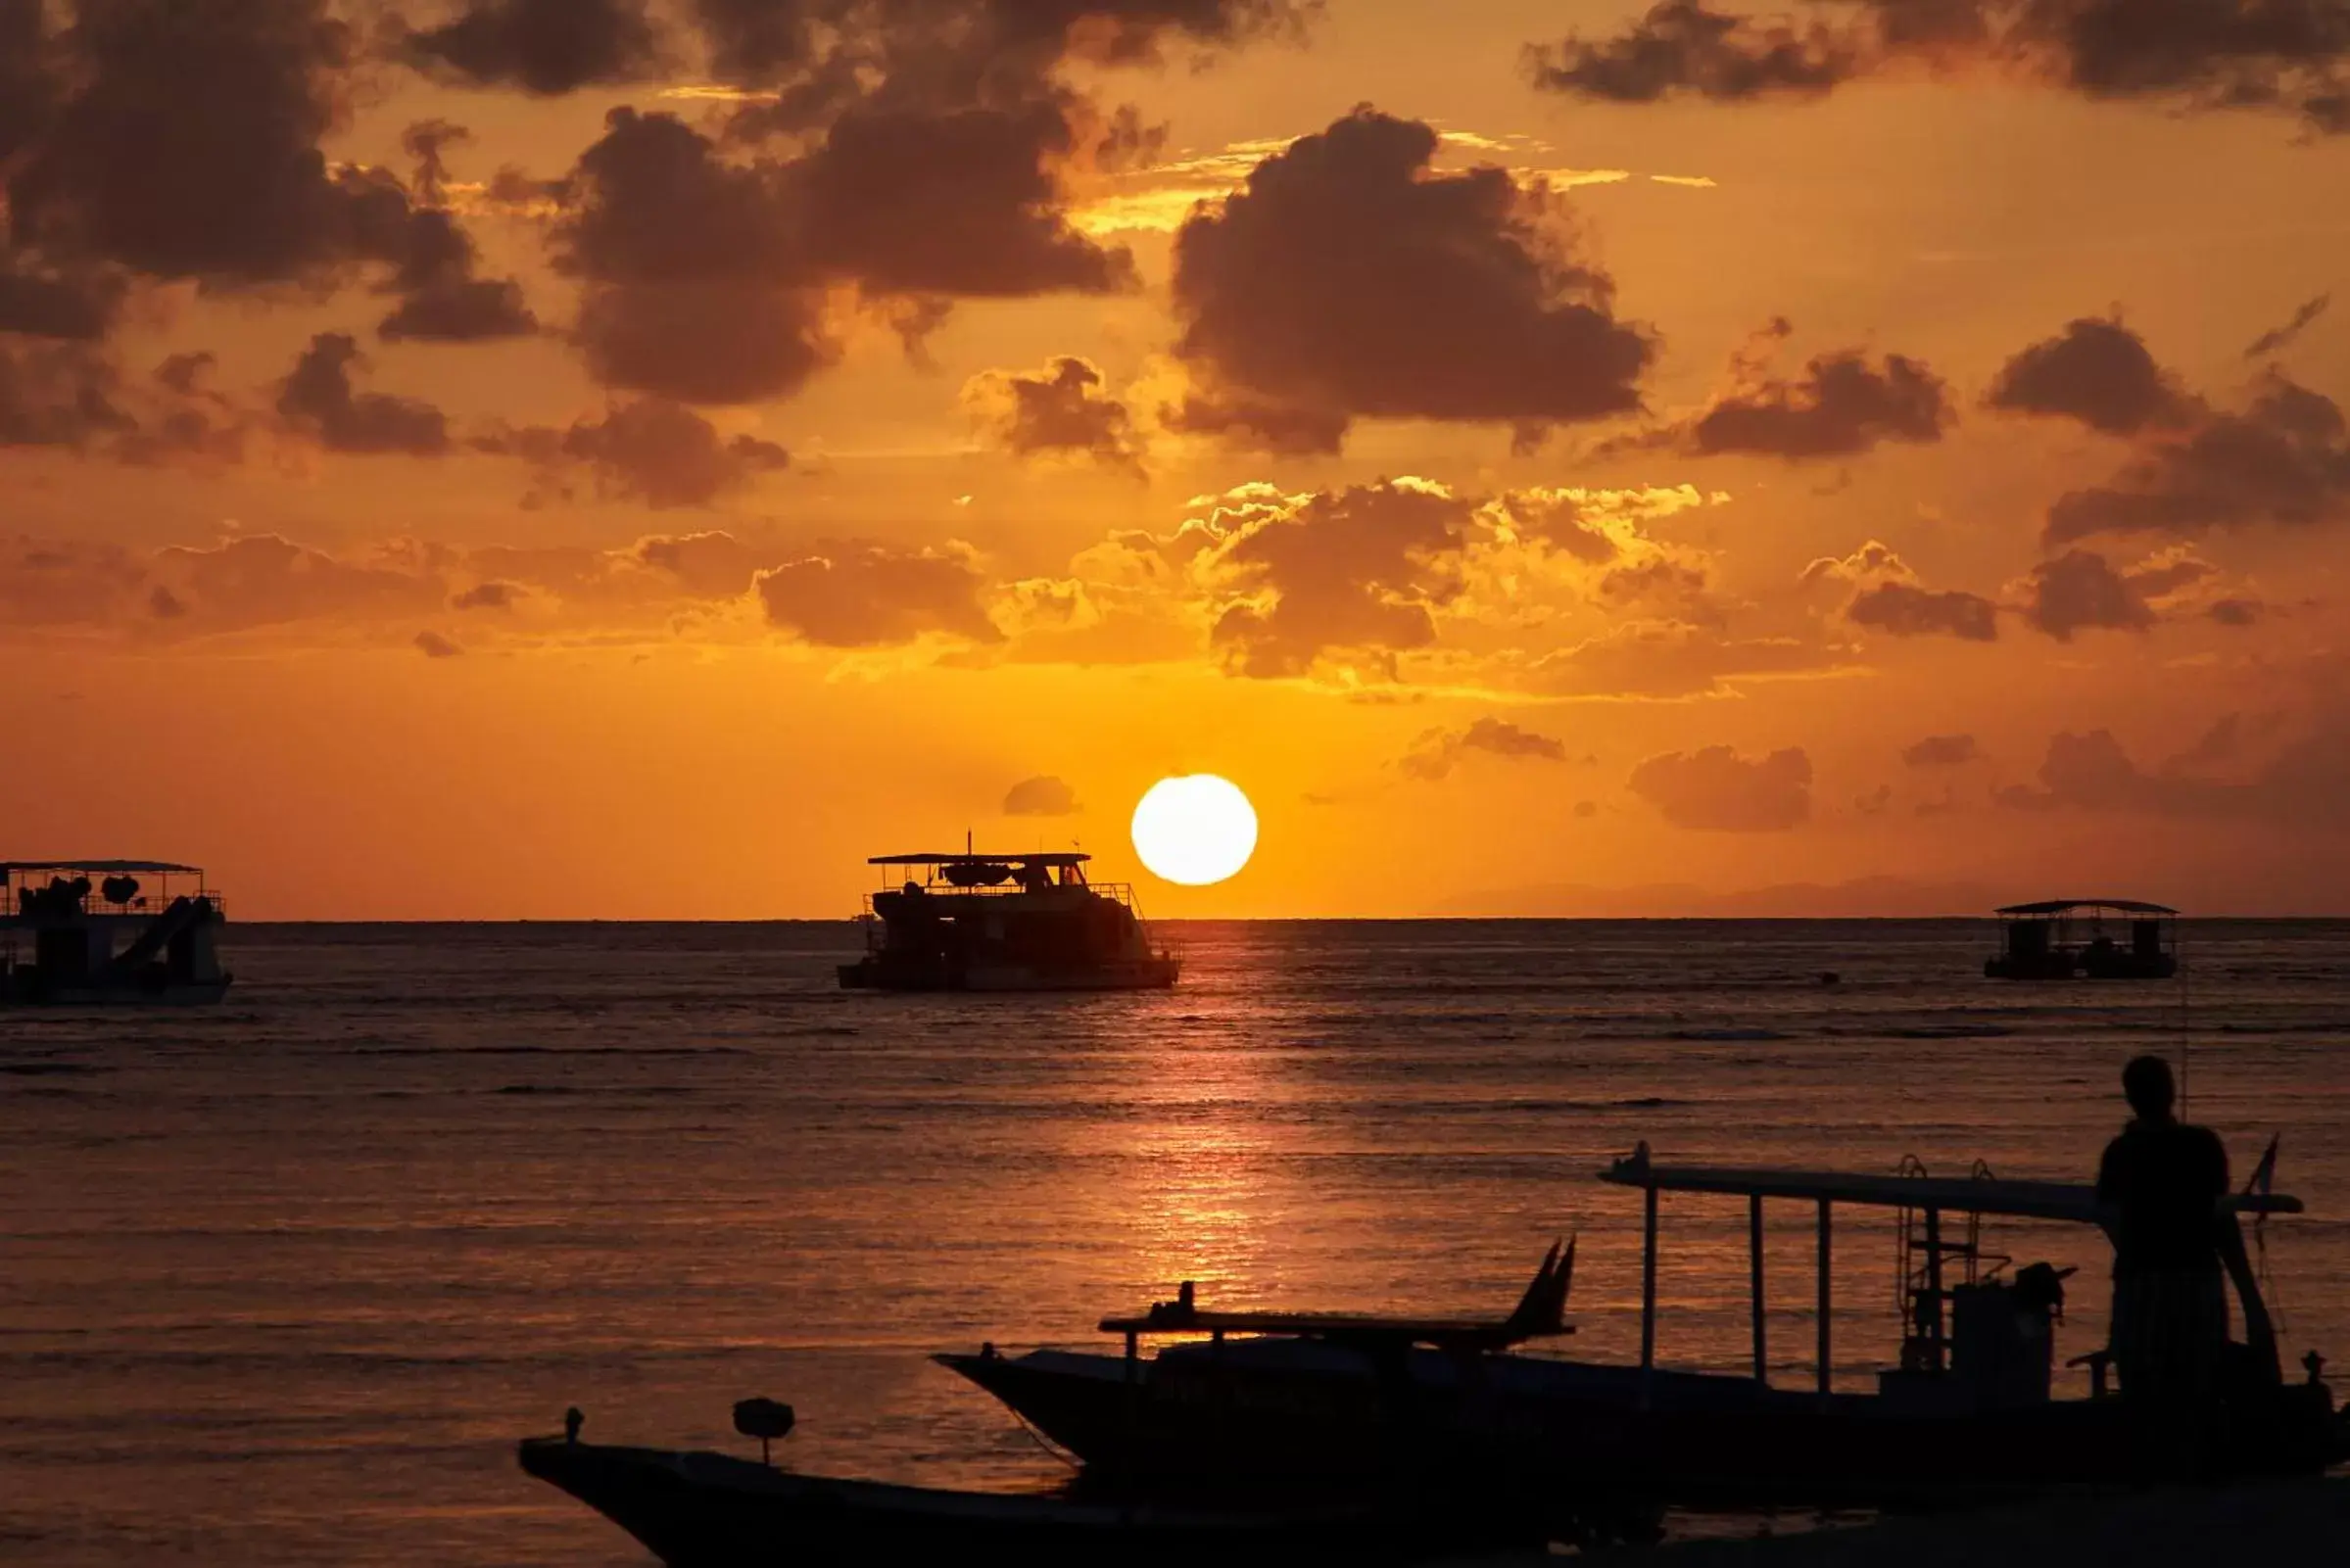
1611 463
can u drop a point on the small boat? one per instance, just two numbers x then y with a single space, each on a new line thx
1970 1415
2066 938
713 1510
1005 923
89 931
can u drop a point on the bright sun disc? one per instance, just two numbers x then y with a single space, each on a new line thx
1195 829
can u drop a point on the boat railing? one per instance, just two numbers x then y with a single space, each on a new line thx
144 906
1116 892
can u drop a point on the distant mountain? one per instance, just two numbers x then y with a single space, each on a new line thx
1899 897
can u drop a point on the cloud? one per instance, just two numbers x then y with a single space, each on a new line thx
1350 279
540 46
185 144
2097 371
1355 570
867 596
1061 408
649 450
2303 786
1840 406
1437 752
2079 590
2282 337
2284 54
1669 660
2237 611
1905 609
1942 751
78 306
490 596
1718 790
2283 460
433 645
1679 47
1043 796
318 399
714 565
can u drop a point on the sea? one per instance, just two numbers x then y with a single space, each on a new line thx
283 1280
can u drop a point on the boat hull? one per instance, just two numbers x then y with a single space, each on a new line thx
199 993
711 1510
1578 1433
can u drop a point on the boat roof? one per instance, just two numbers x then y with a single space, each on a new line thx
103 867
1967 1195
964 858
2061 906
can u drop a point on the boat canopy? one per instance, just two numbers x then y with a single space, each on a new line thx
2065 905
1958 1195
102 868
965 858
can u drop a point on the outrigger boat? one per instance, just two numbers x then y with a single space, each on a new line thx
1968 1416
83 932
2066 938
1005 923
702 1509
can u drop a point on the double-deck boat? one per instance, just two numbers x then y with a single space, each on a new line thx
1970 1413
1004 922
80 932
2074 939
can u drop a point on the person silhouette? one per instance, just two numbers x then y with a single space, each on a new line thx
2160 1183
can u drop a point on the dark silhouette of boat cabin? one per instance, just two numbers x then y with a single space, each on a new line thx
2069 939
83 931
1005 923
1969 1413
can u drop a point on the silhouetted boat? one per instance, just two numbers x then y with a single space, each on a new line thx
1005 923
2065 938
712 1510
1969 1413
67 939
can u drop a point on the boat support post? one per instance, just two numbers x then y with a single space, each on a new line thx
1648 1295
1763 1364
1827 1297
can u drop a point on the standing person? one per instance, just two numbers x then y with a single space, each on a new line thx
2161 1181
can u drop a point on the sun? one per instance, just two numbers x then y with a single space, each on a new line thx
1195 829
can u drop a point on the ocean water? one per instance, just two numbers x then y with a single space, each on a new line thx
281 1281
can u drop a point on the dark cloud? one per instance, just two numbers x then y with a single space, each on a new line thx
1358 570
1840 406
1061 408
433 645
2237 611
1942 751
1044 796
318 399
649 450
1718 791
713 565
2287 55
2079 590
1349 279
2303 786
1669 660
55 394
866 596
1437 752
187 145
2097 371
2282 337
1904 610
540 46
78 307
1277 428
2283 460
1679 47
490 595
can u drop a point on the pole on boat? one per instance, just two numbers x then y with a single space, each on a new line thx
1762 1365
1647 1293
1933 1287
1827 1297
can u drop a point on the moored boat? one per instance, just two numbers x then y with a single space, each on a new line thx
1970 1415
1005 923
77 932
2067 938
